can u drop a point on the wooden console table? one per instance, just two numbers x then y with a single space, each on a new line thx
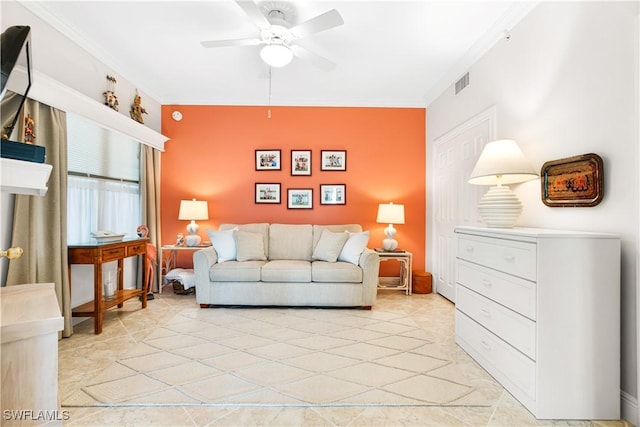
97 254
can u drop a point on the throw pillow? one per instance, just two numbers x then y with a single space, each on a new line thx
224 244
329 246
352 249
249 246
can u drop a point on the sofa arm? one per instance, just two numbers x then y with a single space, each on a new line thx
370 264
203 259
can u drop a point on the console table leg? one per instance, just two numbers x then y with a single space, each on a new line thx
97 298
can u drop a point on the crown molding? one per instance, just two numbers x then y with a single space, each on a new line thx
44 12
508 20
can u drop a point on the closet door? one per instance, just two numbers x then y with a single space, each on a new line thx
454 201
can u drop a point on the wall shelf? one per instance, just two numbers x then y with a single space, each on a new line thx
20 177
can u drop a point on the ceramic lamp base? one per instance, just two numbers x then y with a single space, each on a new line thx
389 244
192 240
500 207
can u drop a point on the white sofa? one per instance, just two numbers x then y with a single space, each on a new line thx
264 264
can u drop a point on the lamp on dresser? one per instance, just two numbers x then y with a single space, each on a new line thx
501 162
192 210
388 213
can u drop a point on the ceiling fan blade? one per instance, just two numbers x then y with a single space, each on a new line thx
320 23
317 60
252 9
225 43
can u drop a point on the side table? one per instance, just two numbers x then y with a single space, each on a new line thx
98 254
169 255
403 281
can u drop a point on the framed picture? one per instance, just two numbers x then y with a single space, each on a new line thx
300 162
333 160
267 192
300 198
333 194
268 160
573 182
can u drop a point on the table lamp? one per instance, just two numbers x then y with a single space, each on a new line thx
390 214
192 210
501 162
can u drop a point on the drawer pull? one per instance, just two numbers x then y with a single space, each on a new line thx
509 258
486 345
485 313
470 249
487 283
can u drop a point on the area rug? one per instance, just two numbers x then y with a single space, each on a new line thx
291 357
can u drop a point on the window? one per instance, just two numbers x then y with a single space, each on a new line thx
103 191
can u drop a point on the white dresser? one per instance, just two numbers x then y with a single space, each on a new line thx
540 311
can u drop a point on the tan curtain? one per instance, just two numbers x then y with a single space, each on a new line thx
150 194
40 223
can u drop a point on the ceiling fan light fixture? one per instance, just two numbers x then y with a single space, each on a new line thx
276 54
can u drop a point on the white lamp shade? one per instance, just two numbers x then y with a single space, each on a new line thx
276 54
193 210
502 162
390 214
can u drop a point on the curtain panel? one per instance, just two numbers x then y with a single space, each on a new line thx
40 223
150 195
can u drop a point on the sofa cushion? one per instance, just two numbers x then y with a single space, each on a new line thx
286 271
234 271
329 246
353 248
337 228
249 246
256 227
290 242
335 272
224 244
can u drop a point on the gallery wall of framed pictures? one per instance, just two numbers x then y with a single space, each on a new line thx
301 165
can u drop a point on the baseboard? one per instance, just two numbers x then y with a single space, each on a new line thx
629 407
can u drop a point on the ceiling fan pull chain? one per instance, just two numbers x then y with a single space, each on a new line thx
269 107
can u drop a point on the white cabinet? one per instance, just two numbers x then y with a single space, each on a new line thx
29 323
540 311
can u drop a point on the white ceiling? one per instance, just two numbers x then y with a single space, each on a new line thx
387 53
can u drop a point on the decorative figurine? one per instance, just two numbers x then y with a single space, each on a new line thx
180 240
29 134
137 110
110 98
143 231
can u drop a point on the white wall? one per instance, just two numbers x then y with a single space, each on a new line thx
565 84
64 61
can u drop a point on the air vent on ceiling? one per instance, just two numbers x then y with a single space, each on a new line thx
462 83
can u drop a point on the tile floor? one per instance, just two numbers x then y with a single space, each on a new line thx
85 356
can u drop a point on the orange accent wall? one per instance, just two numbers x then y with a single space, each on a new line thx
211 156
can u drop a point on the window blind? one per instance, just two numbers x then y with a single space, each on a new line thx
96 151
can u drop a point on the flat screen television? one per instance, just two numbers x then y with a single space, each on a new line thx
15 46
16 67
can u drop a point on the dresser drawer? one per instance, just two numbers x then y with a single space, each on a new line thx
137 249
108 254
512 292
496 356
515 329
517 258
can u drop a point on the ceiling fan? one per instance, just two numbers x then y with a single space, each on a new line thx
278 35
